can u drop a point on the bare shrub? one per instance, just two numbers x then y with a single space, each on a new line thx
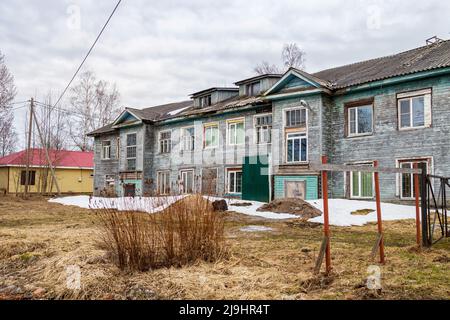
184 233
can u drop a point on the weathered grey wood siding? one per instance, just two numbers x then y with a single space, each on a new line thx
387 142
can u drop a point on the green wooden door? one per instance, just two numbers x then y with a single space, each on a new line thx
255 179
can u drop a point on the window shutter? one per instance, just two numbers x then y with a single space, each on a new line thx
346 122
427 110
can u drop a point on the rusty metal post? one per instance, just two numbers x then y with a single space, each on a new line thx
379 218
326 220
417 197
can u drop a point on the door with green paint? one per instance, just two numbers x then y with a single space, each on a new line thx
255 179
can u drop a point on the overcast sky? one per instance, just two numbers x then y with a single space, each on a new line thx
161 51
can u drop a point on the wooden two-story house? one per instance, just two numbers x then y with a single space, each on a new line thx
258 139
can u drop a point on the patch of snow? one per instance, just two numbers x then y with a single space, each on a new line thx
340 209
340 212
252 210
175 112
144 204
256 229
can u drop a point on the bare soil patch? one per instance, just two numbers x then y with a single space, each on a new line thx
297 207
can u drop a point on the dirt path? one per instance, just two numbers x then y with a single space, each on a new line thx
41 244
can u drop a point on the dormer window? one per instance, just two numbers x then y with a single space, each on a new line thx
205 101
253 89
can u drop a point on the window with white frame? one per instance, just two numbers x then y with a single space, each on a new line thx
187 182
106 150
163 182
263 128
414 109
253 89
165 142
188 139
360 120
211 136
236 132
234 181
131 151
362 184
296 147
296 118
407 190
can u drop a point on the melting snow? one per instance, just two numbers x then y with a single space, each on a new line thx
256 229
340 209
175 112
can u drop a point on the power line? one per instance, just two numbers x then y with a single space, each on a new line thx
17 108
66 111
89 52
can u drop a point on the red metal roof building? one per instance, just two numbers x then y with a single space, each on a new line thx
59 158
74 171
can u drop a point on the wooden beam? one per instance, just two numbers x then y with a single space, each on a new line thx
356 168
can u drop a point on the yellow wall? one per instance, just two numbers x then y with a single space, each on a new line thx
69 180
3 179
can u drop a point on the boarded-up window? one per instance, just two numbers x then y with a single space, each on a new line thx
209 181
295 189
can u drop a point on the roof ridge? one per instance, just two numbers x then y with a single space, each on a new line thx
436 44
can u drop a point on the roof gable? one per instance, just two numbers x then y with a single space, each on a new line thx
295 79
126 118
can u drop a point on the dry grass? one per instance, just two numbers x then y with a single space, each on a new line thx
186 232
38 240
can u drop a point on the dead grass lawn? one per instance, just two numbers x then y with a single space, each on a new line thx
38 240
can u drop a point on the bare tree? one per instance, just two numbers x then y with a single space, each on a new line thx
8 136
94 104
53 124
266 68
293 56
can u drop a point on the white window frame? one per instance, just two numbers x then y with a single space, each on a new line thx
295 109
427 108
169 145
286 147
205 127
429 162
158 181
229 172
255 117
103 150
357 134
131 146
182 191
184 139
352 196
234 122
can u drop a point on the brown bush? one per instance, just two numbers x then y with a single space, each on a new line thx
186 232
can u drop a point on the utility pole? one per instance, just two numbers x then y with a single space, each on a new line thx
49 161
30 129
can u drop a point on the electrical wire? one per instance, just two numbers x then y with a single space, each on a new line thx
87 55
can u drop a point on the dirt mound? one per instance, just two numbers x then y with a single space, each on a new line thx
292 206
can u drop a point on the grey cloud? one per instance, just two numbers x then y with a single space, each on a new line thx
161 51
